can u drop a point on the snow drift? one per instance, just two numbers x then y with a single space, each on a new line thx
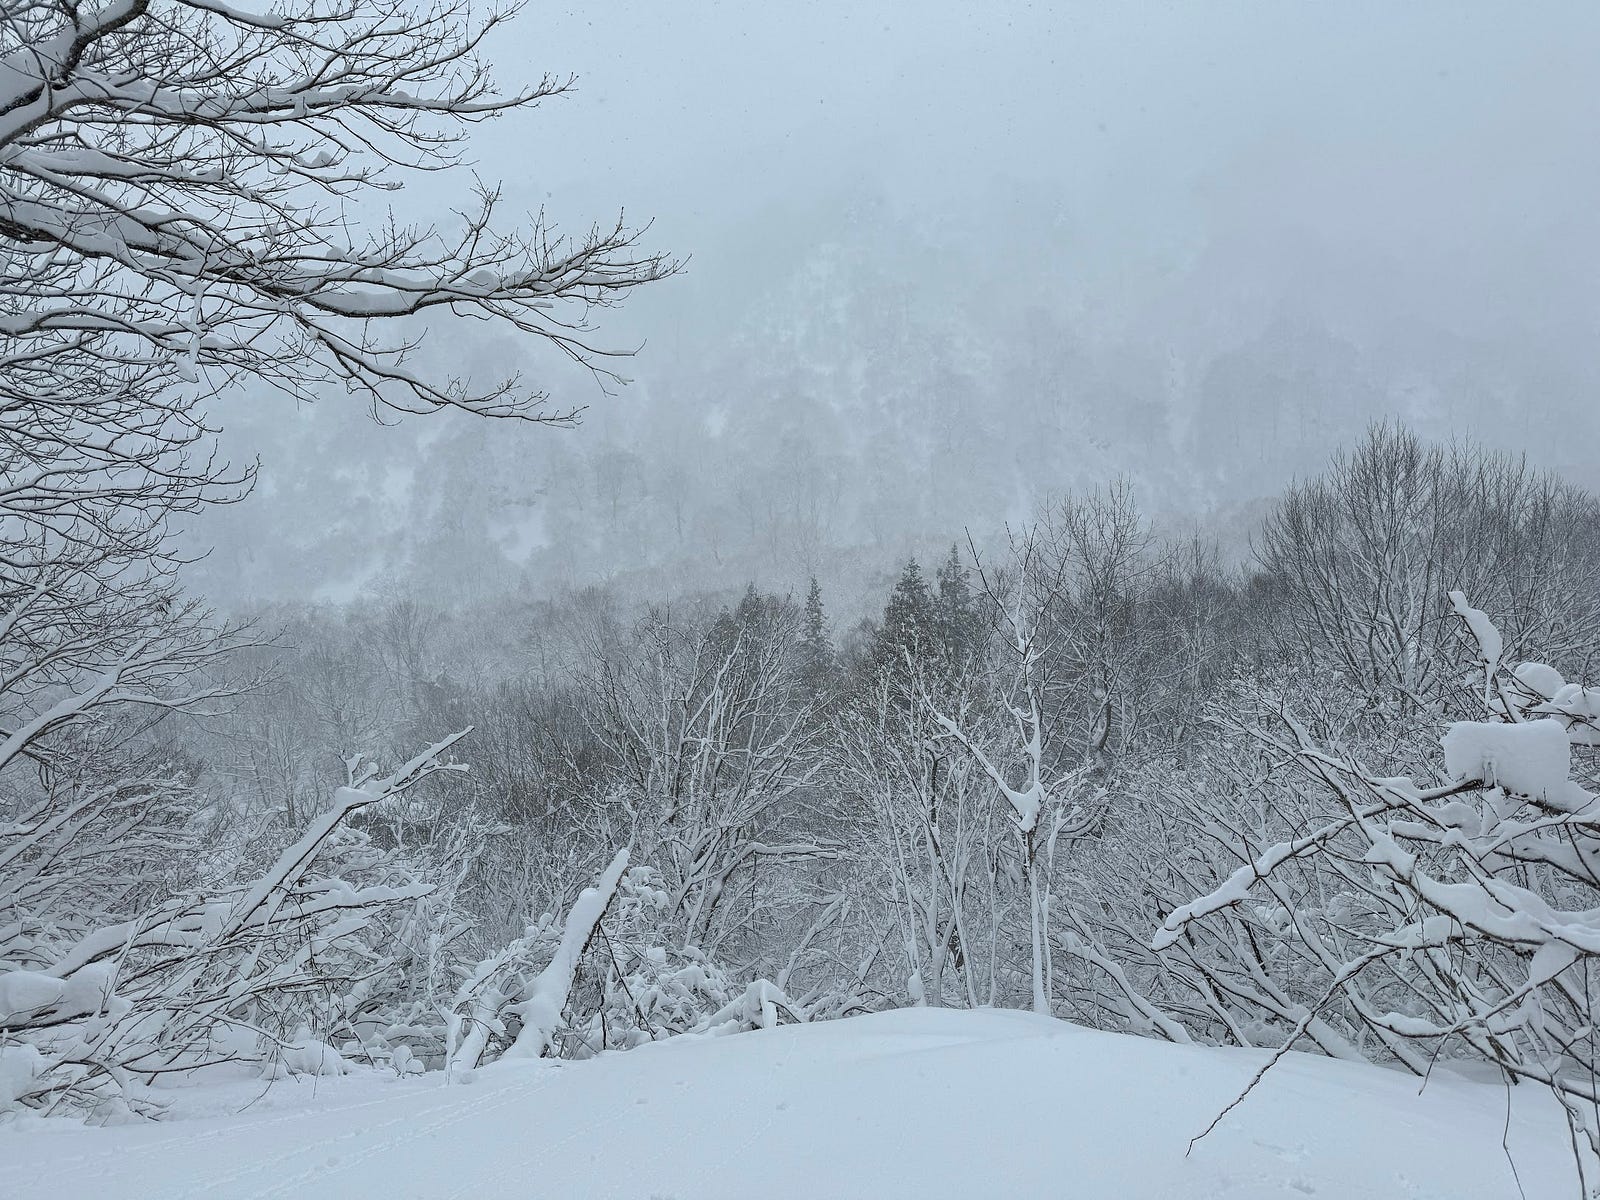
921 1102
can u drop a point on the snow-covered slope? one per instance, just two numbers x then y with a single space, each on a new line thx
920 1103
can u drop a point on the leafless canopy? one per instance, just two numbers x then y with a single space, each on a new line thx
178 194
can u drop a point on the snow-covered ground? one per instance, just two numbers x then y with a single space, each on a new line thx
924 1103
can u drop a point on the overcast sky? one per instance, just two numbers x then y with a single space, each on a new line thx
1414 183
1452 136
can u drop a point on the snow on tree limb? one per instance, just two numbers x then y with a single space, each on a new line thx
1476 923
501 985
546 996
150 994
163 157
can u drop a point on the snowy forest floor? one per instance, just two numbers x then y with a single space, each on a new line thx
922 1102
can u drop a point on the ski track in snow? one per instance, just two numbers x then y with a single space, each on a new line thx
450 1106
704 1174
154 1150
450 1114
534 1156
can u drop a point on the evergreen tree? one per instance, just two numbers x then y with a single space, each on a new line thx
723 635
752 609
750 624
910 621
750 618
818 664
957 614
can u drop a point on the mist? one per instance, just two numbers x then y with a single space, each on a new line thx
941 266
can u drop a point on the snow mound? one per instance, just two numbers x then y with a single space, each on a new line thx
23 993
1539 678
306 1055
1530 759
924 1103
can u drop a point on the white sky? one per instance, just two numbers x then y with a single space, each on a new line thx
1165 178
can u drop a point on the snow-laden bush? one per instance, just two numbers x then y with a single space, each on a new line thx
398 974
641 987
505 1006
92 1012
602 978
1420 920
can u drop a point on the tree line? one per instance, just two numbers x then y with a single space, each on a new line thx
1034 781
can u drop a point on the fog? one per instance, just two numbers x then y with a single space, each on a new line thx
944 261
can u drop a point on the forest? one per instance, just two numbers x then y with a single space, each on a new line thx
1086 772
1314 775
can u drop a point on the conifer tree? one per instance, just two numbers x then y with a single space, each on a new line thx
910 621
752 608
749 621
818 664
957 614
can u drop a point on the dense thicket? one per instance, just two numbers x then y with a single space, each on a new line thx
1088 771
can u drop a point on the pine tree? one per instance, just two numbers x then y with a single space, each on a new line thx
752 609
748 624
957 614
726 630
818 664
910 621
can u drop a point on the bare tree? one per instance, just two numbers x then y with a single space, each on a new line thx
1420 919
180 211
1366 555
930 852
177 188
713 752
109 1003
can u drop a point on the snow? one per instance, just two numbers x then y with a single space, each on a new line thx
1539 678
541 1012
1578 708
20 1065
306 1055
1530 759
1490 644
921 1103
23 993
88 990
